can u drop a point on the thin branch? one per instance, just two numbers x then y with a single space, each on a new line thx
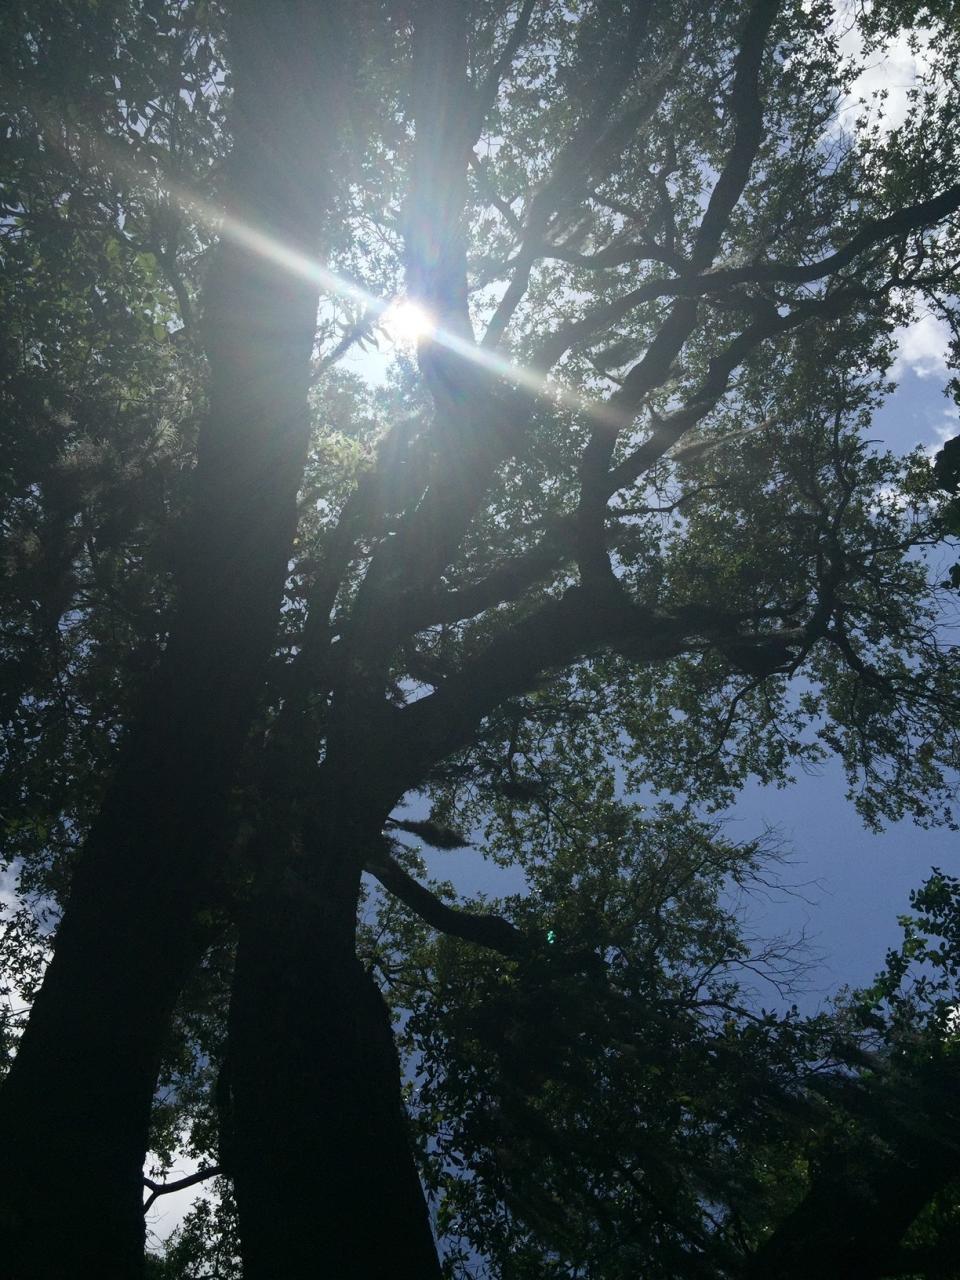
650 372
508 581
486 95
491 193
874 233
912 218
353 334
614 255
171 272
668 430
572 166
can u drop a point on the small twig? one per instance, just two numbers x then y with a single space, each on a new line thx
352 335
491 193
486 94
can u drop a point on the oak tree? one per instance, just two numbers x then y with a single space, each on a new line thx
621 498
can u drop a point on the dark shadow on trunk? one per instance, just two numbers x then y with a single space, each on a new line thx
319 1153
74 1111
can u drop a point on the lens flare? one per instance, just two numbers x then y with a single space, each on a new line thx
406 323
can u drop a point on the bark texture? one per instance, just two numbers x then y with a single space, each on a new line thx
317 1143
74 1110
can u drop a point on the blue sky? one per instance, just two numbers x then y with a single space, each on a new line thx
858 882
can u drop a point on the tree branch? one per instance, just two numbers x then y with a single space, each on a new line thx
614 255
747 111
648 373
573 164
560 632
486 183
487 931
508 581
486 95
873 233
165 1188
353 334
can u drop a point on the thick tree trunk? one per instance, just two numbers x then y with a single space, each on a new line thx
864 1199
850 1232
318 1149
74 1110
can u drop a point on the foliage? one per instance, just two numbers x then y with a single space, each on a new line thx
620 1103
618 1099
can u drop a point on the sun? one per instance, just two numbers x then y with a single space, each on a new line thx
406 323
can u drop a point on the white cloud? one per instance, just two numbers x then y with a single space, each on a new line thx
8 889
893 69
944 430
922 348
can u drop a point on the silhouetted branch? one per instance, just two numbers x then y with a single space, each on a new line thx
487 92
164 1188
487 931
746 109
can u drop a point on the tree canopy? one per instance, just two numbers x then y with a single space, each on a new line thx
612 528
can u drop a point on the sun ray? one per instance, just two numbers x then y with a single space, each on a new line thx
407 322
410 322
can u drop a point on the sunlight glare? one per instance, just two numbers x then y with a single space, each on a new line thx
406 323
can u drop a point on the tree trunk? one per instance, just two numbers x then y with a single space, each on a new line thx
318 1148
865 1196
75 1108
